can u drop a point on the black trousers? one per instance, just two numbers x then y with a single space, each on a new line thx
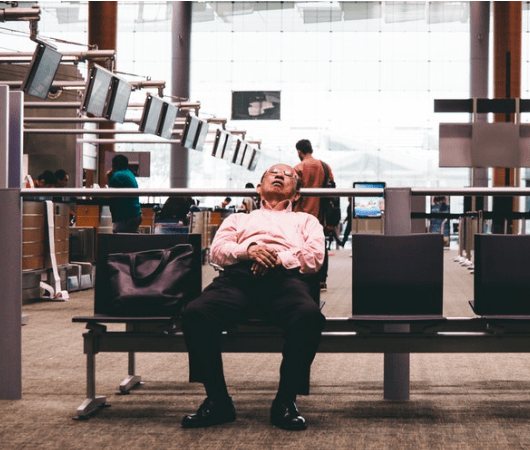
281 296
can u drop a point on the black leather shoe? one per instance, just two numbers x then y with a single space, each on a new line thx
211 413
285 415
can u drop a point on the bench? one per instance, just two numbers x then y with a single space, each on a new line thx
388 314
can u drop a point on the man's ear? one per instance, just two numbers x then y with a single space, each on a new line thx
258 189
296 196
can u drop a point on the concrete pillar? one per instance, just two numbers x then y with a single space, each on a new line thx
180 84
102 31
479 69
507 37
397 365
11 295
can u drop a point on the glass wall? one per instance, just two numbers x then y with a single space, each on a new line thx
358 79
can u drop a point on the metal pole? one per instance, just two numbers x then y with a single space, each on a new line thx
16 119
4 135
11 295
180 83
397 365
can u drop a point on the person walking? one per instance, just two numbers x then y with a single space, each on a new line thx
312 175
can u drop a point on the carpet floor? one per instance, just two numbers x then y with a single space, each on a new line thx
458 401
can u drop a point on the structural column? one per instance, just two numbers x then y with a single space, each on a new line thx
180 83
11 250
397 365
102 31
507 29
479 70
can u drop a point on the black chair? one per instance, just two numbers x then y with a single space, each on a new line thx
502 275
398 275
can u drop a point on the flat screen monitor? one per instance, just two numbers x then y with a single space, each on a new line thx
190 131
106 95
228 150
151 115
254 160
245 161
200 138
237 149
219 143
256 105
119 100
239 154
42 71
369 206
167 120
97 91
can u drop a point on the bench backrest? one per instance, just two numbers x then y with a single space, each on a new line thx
122 242
398 275
502 274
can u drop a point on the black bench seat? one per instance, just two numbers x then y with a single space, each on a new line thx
371 331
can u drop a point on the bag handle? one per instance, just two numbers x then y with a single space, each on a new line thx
160 266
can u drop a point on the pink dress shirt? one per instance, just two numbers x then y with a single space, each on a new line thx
297 237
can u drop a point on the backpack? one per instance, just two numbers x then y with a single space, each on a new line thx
329 206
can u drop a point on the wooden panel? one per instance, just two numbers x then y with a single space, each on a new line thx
87 216
33 235
148 216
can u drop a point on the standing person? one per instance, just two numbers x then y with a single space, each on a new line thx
126 211
311 173
264 255
249 204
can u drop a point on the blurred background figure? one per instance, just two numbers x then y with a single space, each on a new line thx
176 209
46 180
62 178
249 203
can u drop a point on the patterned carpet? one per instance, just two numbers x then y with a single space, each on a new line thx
458 401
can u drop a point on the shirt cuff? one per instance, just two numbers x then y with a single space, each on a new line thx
289 260
241 251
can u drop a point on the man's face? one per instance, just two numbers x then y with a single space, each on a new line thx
63 182
279 183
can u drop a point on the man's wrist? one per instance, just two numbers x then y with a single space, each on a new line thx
249 247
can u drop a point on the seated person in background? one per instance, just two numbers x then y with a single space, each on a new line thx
46 180
264 255
176 208
126 211
225 203
62 178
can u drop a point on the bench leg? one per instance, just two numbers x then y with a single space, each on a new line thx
397 369
92 403
132 380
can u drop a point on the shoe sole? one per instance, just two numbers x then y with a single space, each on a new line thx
206 425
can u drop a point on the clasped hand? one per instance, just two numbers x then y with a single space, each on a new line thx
263 259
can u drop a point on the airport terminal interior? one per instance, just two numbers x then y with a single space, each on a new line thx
421 108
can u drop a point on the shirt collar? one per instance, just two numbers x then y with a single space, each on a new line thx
285 205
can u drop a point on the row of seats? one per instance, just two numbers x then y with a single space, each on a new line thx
392 275
397 281
403 275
